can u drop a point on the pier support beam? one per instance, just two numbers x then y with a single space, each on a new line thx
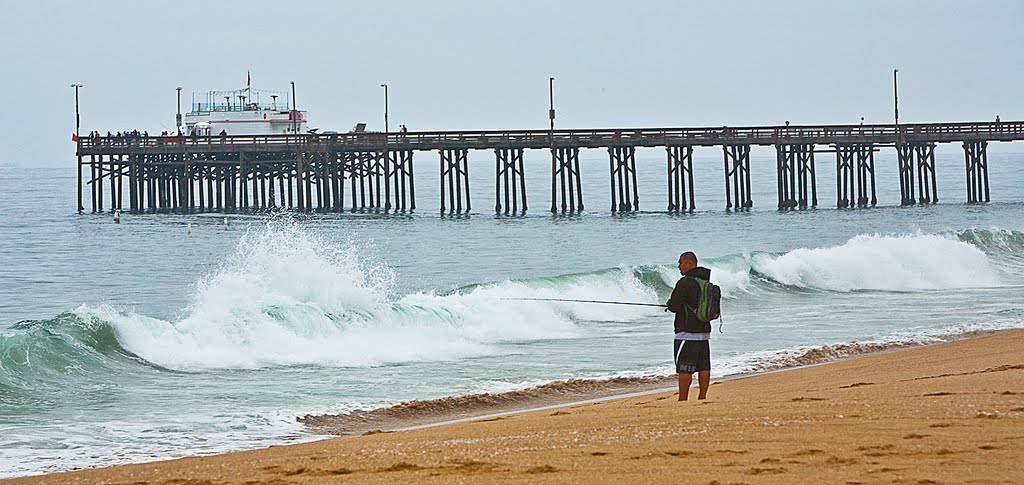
80 207
680 177
365 172
377 170
455 170
737 176
92 180
508 166
976 157
99 184
565 168
400 175
335 167
919 157
855 168
622 170
795 170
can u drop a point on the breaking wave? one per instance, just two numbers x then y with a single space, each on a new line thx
288 297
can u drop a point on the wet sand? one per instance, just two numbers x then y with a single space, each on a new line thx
947 413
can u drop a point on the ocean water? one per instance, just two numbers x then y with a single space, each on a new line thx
145 340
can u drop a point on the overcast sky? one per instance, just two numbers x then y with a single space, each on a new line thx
485 65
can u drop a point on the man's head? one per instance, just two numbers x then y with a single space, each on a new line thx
687 261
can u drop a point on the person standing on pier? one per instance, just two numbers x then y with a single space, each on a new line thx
692 335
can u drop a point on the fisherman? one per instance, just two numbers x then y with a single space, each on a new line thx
691 345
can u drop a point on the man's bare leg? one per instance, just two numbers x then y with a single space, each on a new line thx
704 381
684 386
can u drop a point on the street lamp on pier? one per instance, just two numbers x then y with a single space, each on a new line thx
551 98
78 119
295 127
385 86
177 118
896 97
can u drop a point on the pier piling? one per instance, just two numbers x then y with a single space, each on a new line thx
622 170
565 168
680 178
976 157
795 171
508 164
737 171
455 170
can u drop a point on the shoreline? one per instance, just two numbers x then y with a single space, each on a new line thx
900 414
424 413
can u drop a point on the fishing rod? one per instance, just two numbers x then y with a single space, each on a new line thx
587 301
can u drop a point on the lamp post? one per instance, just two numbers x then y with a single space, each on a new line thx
177 118
896 97
551 98
295 128
78 119
385 86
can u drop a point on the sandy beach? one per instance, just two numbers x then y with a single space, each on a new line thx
946 413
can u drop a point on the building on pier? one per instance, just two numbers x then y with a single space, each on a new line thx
243 111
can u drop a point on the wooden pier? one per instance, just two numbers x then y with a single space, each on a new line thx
374 171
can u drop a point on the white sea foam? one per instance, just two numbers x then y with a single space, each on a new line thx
883 262
286 297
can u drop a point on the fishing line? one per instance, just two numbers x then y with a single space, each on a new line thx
588 301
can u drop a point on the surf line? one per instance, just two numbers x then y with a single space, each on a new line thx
587 301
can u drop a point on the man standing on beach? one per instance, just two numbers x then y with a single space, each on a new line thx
691 345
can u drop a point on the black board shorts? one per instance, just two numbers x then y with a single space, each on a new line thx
692 356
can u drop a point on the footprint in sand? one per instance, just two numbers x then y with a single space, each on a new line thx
879 450
542 469
472 466
812 451
915 436
400 467
857 384
835 460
